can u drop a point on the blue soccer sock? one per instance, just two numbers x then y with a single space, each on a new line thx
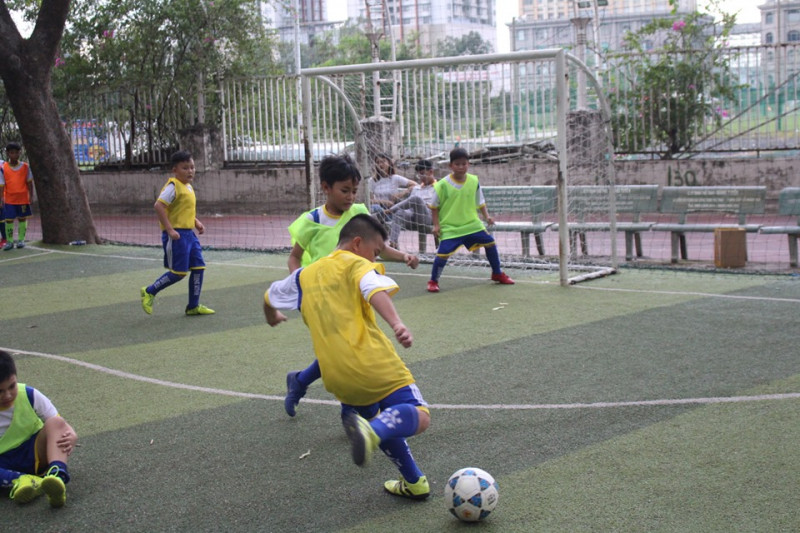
399 453
309 375
494 259
438 266
166 279
62 473
400 420
7 477
195 287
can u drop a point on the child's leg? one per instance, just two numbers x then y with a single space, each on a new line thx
399 453
494 258
297 384
2 226
195 287
10 230
8 476
50 448
166 279
447 248
22 229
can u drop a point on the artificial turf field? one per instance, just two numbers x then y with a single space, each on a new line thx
644 401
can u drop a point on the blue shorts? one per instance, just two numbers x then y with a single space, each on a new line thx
471 242
12 211
408 394
22 458
184 254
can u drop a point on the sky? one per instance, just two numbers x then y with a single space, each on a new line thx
506 10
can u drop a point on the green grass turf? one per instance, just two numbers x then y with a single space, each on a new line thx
157 458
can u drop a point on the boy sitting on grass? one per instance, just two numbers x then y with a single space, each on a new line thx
35 441
381 404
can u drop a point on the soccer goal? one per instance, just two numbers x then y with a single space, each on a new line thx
537 129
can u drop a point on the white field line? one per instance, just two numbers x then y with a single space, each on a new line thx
475 278
474 407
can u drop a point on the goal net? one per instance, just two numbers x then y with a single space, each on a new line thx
534 126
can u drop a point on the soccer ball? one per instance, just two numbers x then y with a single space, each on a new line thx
471 494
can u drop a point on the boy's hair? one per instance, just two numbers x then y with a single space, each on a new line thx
364 226
13 146
423 164
7 366
458 153
180 156
335 168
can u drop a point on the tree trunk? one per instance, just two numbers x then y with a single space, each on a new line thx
63 206
25 70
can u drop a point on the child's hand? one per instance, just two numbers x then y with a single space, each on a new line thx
200 227
411 260
66 442
437 231
489 220
274 317
174 235
403 334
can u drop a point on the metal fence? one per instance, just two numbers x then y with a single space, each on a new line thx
494 106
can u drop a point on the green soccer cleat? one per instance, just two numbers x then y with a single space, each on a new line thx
200 310
363 439
26 488
416 491
54 487
147 301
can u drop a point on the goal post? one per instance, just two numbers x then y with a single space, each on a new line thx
515 113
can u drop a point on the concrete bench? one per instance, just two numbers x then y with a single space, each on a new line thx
684 201
788 205
529 204
586 201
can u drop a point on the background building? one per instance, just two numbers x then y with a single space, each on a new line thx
428 21
313 18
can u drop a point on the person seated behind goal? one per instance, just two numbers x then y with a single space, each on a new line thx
413 213
315 235
35 442
381 402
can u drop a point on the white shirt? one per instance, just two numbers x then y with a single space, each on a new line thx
285 294
41 404
385 188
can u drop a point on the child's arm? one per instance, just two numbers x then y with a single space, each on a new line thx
274 317
296 257
489 220
392 254
437 230
382 303
199 226
161 213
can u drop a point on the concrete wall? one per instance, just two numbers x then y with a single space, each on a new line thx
281 190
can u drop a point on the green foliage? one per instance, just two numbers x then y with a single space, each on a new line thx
469 44
138 61
666 97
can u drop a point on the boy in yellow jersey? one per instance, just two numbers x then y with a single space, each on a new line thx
454 211
175 209
35 442
16 191
337 297
315 235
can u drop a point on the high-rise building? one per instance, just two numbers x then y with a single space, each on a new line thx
548 23
310 15
428 21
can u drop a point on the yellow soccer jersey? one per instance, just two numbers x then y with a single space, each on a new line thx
359 363
180 201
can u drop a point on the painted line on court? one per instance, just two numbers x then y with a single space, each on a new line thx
474 407
691 293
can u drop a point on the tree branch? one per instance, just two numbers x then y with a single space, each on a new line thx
9 34
48 29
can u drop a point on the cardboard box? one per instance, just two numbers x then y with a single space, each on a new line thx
730 247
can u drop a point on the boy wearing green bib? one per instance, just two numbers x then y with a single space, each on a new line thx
315 235
455 206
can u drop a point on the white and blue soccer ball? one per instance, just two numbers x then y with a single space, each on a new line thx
471 494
